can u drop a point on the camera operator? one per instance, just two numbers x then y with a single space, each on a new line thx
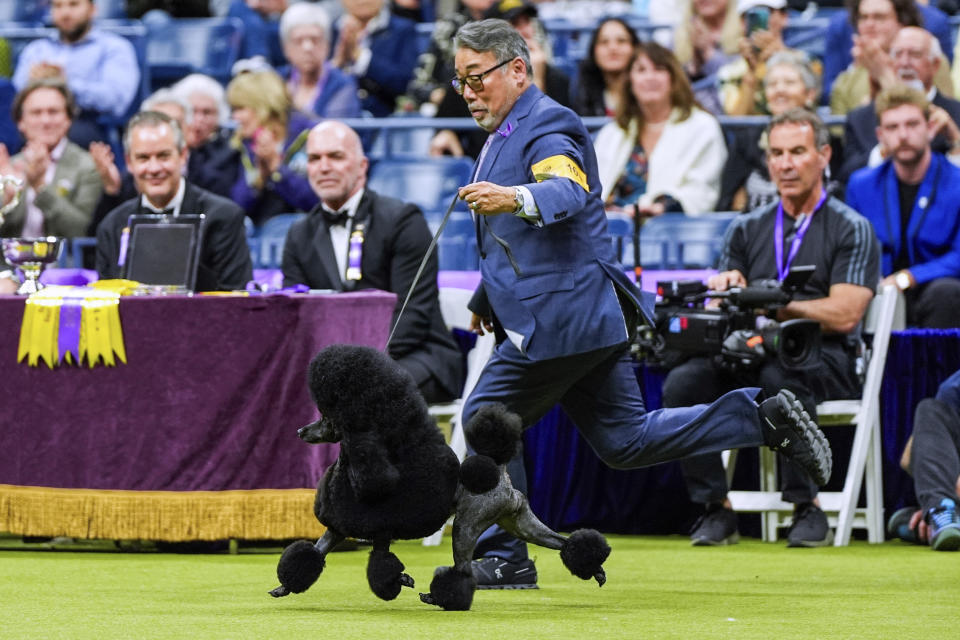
805 227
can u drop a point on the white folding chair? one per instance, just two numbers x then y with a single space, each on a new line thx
453 306
865 456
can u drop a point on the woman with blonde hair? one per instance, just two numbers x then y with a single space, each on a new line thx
707 36
662 152
271 137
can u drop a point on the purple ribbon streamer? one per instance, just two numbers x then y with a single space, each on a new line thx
68 334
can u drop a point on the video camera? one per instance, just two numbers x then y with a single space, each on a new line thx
739 333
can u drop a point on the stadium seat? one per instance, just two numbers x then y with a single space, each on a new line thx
178 47
28 11
429 183
864 466
271 237
111 9
673 240
457 246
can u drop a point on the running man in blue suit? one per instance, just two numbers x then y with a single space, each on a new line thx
554 293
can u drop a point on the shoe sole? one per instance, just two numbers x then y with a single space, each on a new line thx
818 459
947 540
501 587
811 544
706 542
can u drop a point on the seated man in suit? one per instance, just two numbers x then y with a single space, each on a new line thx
61 182
913 201
156 154
916 59
358 239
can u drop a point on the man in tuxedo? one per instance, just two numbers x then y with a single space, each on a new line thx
916 58
357 239
156 153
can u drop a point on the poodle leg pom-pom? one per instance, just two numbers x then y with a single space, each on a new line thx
299 567
584 552
451 590
385 574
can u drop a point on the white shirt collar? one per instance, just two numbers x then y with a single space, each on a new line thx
350 205
174 204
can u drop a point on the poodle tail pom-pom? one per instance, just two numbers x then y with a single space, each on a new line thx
300 566
451 590
385 574
479 474
495 431
584 552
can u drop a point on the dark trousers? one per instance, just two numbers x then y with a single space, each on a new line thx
701 380
598 390
935 455
934 304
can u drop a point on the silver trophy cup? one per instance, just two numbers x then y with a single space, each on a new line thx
30 255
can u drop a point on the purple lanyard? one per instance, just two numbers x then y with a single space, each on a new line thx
783 268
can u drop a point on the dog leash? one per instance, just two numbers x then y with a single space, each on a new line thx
423 265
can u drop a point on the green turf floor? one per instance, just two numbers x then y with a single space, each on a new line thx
657 588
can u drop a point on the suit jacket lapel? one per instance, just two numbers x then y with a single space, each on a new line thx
324 250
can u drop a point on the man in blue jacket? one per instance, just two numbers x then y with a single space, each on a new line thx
559 302
913 201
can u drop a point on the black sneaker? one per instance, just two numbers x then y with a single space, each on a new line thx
716 527
810 527
898 526
790 430
496 573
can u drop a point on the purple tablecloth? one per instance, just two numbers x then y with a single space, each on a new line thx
210 399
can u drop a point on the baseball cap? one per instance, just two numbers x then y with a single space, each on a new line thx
510 9
745 5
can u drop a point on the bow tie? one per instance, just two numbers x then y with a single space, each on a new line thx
335 218
165 212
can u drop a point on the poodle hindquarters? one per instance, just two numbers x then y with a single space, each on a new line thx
487 497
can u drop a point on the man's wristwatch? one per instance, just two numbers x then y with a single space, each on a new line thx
903 280
518 198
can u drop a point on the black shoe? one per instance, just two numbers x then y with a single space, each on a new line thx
810 527
716 527
898 526
787 428
496 573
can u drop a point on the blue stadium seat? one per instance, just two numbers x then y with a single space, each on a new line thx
673 240
22 11
457 247
178 47
430 183
271 237
111 9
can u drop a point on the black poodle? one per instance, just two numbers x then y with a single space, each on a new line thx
396 478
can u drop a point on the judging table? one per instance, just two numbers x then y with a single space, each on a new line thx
195 437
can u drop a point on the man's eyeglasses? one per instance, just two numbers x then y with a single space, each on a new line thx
474 80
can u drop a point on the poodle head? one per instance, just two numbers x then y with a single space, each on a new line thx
352 386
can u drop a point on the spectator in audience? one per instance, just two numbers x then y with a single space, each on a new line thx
358 239
377 48
746 184
707 37
932 457
604 72
740 90
62 185
431 77
213 163
837 55
913 201
261 28
101 68
156 154
916 57
522 16
316 86
663 152
873 69
840 243
270 137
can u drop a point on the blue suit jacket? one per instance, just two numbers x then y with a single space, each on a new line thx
933 234
564 300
